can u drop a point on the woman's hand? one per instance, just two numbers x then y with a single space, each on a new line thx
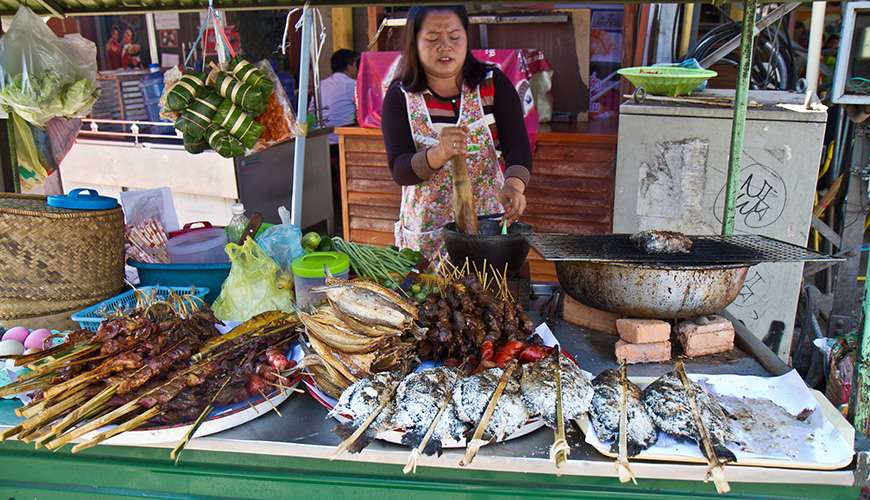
512 198
454 141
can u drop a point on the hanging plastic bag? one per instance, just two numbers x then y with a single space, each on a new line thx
255 284
42 75
282 242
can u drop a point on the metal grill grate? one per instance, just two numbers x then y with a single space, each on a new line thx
735 249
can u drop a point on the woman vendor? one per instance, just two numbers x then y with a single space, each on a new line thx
446 103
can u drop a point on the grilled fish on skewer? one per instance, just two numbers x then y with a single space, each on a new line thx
359 401
504 412
418 399
539 390
683 408
661 242
473 393
604 414
420 440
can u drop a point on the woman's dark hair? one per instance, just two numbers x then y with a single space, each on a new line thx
115 28
411 74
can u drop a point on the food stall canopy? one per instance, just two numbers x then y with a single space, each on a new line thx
106 7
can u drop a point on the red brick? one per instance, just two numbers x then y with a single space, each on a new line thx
704 324
643 331
643 353
703 344
588 317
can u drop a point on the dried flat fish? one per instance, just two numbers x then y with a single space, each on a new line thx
605 413
661 242
683 408
539 390
361 302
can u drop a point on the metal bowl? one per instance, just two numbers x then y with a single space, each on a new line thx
651 290
489 245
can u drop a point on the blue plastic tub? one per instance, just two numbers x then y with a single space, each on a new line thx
211 276
92 317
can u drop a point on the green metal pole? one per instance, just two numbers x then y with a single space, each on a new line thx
738 126
862 391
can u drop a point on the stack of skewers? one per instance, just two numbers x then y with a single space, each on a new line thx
162 363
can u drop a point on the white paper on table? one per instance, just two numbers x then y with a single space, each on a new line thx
827 447
150 204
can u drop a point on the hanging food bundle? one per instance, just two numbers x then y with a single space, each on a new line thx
197 118
218 111
238 124
184 90
243 95
246 72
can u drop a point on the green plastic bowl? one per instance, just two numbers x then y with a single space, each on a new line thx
670 81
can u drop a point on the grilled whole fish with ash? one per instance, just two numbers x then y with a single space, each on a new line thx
472 396
359 401
417 401
661 242
667 401
538 385
604 414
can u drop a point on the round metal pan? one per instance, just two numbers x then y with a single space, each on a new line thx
652 290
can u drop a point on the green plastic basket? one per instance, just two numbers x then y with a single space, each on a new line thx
670 81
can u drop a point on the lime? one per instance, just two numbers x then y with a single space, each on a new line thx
311 241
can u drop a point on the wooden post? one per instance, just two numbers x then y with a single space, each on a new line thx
342 28
373 22
629 31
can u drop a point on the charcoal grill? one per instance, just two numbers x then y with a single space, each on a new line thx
608 272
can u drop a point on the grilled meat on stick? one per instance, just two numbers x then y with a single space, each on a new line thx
683 408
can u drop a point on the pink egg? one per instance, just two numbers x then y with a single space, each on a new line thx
18 333
37 339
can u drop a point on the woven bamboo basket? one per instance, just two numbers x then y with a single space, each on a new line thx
54 260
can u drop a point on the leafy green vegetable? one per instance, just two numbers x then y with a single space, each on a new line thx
39 98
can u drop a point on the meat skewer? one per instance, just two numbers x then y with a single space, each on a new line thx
476 441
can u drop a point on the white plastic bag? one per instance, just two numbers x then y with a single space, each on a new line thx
42 75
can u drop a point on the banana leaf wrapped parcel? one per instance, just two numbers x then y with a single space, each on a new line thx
246 72
196 119
194 146
184 90
249 98
223 143
238 124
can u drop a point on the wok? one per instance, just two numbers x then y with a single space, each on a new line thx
649 290
489 244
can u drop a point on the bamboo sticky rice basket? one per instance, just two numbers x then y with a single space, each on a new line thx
53 260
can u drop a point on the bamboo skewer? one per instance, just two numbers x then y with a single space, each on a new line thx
274 408
175 454
476 440
52 412
623 470
8 433
344 445
92 425
715 468
560 449
411 466
126 426
82 411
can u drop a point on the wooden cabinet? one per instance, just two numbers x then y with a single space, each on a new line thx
571 190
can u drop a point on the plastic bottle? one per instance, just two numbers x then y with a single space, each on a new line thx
237 224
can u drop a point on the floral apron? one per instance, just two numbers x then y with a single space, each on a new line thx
428 206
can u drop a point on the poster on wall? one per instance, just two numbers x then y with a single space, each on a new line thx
123 42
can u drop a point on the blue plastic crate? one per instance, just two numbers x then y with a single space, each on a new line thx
92 317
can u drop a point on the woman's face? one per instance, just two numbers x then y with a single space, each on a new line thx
115 35
442 44
128 36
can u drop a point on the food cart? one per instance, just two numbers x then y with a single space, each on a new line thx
288 453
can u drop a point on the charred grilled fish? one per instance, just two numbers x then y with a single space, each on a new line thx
661 242
641 431
359 401
418 399
472 396
539 390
